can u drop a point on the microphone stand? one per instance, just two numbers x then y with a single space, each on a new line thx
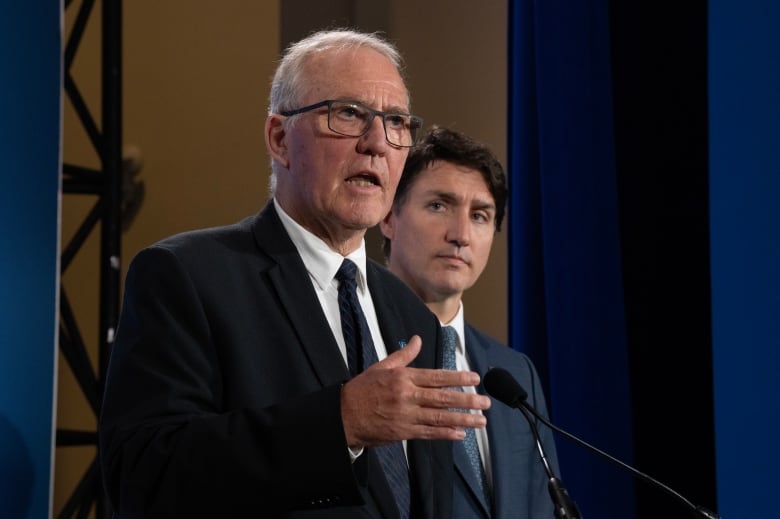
698 511
565 507
501 385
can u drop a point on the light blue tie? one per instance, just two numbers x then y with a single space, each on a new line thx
469 443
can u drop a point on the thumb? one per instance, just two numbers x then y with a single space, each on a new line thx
404 356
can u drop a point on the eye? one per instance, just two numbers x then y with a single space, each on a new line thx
436 206
350 112
396 121
481 217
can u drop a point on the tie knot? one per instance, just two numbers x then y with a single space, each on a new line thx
346 272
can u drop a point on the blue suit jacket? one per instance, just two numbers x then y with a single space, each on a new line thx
519 479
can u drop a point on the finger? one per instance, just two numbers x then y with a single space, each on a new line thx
449 399
425 432
444 378
451 419
403 357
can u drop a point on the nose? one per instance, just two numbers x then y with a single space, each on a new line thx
459 228
374 141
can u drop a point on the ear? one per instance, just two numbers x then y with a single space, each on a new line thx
387 226
276 139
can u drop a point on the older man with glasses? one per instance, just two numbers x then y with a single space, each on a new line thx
268 368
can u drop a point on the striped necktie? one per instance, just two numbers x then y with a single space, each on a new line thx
360 355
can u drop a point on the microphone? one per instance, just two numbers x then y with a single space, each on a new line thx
502 386
514 395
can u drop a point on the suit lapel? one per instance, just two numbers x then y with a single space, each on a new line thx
502 420
463 468
386 312
419 453
293 287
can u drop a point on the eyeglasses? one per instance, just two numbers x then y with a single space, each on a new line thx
353 119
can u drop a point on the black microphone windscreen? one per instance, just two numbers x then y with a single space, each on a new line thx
501 385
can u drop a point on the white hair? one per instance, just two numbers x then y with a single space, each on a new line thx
289 82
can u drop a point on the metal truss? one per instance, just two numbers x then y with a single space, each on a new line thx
106 185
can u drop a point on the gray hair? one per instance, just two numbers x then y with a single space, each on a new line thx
288 86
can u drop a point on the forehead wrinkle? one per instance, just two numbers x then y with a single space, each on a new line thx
378 102
387 94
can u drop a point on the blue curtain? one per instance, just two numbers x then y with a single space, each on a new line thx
30 93
566 302
744 99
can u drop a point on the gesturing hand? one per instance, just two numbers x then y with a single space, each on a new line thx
390 401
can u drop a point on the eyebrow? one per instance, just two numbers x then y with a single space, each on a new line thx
394 109
397 110
451 197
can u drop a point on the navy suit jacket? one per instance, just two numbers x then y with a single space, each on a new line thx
519 479
223 390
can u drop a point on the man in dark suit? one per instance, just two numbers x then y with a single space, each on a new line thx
449 205
252 376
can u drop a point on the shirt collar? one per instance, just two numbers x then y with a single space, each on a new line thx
321 261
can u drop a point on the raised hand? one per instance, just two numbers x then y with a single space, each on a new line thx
390 401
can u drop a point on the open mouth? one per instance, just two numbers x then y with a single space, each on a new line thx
364 180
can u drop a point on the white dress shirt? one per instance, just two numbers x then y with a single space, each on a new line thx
322 263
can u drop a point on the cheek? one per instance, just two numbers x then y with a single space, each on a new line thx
313 173
415 262
481 257
309 153
419 231
300 162
412 243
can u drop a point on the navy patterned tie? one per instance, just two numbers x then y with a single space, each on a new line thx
469 443
360 355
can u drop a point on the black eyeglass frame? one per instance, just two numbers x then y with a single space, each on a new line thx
415 120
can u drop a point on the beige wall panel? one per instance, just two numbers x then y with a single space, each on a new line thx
456 60
196 79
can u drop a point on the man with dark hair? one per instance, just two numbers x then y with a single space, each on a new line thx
258 368
448 206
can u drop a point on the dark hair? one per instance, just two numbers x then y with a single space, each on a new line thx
443 144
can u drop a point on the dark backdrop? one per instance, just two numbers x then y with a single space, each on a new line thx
609 241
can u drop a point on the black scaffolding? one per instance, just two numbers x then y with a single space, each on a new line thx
106 185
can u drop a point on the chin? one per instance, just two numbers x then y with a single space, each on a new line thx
364 219
449 287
